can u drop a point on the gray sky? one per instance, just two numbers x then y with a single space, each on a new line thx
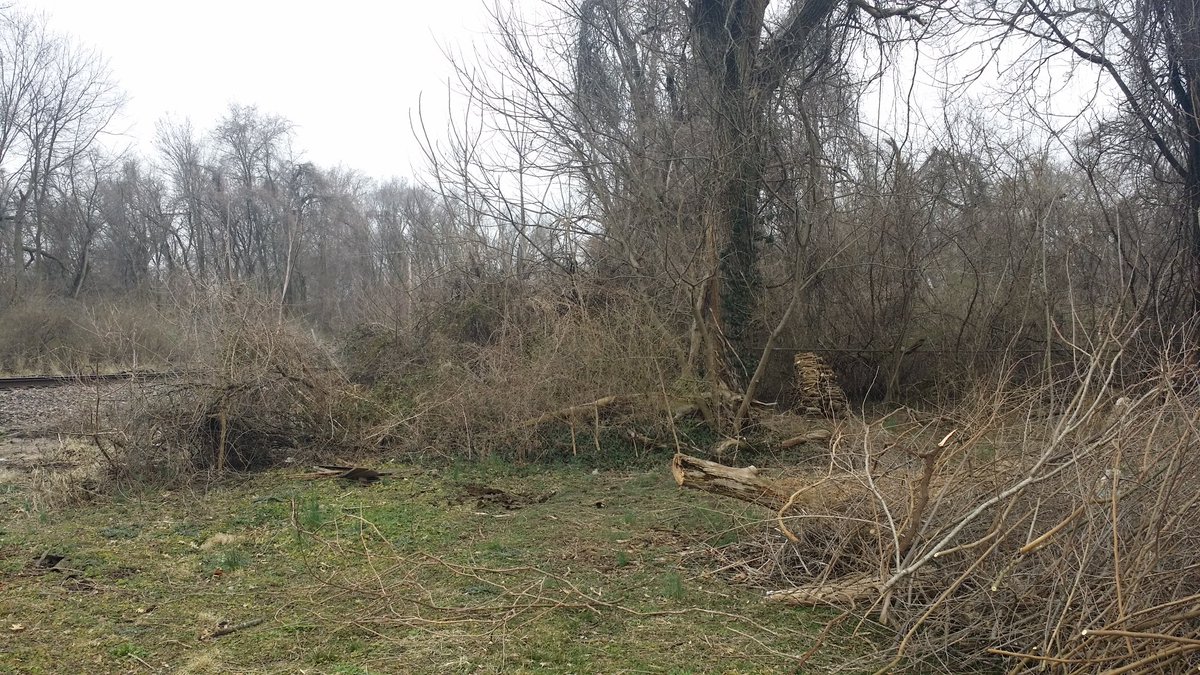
347 72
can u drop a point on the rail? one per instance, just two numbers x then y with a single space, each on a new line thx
41 381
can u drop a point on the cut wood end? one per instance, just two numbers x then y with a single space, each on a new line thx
947 438
677 468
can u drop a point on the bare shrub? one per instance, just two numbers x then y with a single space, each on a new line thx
614 364
47 334
1014 527
259 390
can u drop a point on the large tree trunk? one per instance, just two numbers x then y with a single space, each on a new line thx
738 72
18 241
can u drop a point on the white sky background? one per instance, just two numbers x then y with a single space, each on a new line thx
346 73
925 83
349 73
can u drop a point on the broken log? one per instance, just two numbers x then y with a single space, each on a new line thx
814 436
354 473
744 483
826 494
846 592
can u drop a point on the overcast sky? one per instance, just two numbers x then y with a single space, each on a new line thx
347 73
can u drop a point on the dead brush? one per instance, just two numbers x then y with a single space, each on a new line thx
69 471
606 366
1063 540
45 334
258 391
1078 527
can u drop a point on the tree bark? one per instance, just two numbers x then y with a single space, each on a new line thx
739 71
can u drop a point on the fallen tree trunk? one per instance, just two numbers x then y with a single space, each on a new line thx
823 494
744 484
571 412
846 592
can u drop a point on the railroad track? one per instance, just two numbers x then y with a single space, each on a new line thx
39 381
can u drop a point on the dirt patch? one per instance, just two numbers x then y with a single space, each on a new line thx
486 496
22 454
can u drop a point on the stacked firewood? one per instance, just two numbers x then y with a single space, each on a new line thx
816 390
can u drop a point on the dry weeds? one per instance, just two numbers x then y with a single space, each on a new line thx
1000 532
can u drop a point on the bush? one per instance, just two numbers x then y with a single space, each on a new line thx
57 335
259 390
466 399
1061 537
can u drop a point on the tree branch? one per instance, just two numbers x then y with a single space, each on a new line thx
906 12
779 55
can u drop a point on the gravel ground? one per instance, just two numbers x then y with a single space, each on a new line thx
31 420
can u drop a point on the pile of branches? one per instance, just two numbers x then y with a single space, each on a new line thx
260 391
1013 531
564 379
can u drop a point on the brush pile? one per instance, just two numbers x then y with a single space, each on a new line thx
260 391
1019 530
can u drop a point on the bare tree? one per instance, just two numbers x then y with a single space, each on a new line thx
1149 52
56 97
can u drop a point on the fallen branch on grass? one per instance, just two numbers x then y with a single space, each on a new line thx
225 628
355 473
846 592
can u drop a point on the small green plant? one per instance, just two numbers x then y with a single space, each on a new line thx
481 589
228 561
128 649
355 645
311 516
622 559
234 559
119 532
725 538
673 586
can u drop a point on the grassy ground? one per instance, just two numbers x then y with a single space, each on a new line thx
608 571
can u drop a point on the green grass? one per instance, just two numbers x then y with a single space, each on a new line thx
608 575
